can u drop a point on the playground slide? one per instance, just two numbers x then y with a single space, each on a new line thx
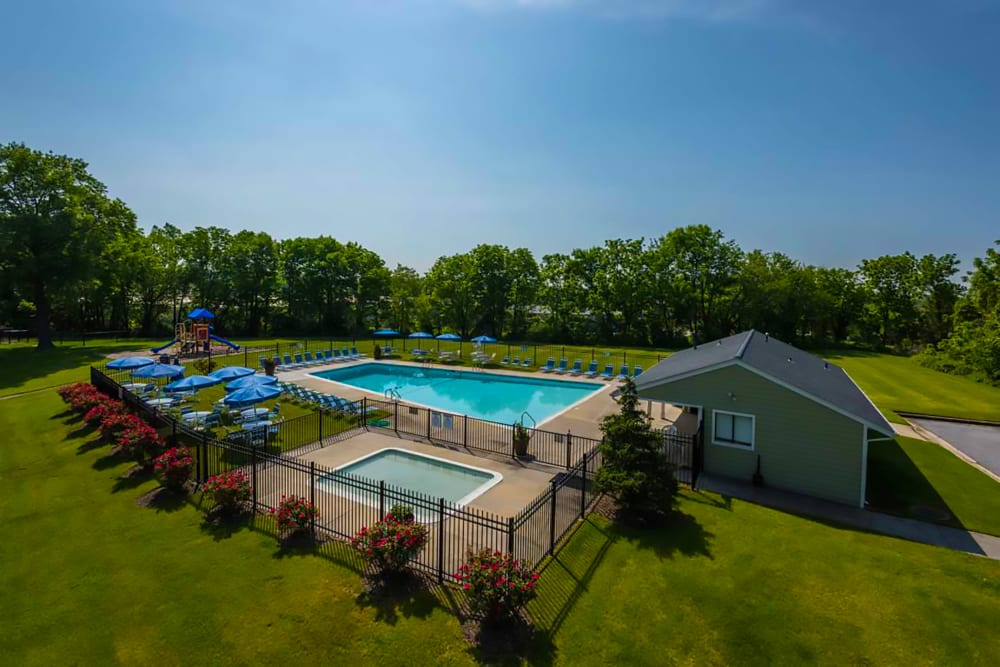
157 350
232 345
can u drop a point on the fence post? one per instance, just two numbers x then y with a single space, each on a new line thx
395 417
441 540
428 424
381 499
320 412
253 478
552 520
583 488
312 496
246 358
569 449
510 536
203 459
465 431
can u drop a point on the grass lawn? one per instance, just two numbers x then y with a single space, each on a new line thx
923 480
89 577
900 383
738 584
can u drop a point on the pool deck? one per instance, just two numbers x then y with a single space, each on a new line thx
583 418
521 482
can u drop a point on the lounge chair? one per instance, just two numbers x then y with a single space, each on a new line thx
505 361
526 363
347 354
277 364
592 370
308 360
357 355
515 362
263 360
549 366
577 368
609 372
562 366
637 371
623 373
287 363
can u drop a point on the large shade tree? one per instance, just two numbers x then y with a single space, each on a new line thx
55 220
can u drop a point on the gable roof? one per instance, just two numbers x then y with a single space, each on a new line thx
779 362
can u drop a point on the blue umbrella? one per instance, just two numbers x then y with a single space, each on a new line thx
386 332
420 334
130 362
484 339
199 313
251 395
231 372
251 381
159 371
449 336
193 382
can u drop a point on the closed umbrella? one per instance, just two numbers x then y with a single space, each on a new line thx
231 372
251 395
130 362
194 382
159 371
251 381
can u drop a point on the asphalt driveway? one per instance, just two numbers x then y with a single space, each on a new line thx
981 443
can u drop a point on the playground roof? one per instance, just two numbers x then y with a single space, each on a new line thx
198 313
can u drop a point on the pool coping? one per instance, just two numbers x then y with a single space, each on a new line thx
495 477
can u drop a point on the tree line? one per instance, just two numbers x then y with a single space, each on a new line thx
74 258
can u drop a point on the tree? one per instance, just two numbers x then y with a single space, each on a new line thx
635 471
450 281
892 285
405 287
524 282
55 217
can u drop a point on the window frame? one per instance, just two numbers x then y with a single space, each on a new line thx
733 443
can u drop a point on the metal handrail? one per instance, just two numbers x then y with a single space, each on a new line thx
534 424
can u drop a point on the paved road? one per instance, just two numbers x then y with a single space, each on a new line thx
981 443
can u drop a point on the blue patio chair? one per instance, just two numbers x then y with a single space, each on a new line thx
562 366
262 360
299 362
287 363
357 355
336 356
515 362
623 373
549 366
308 360
609 372
277 364
347 353
326 355
637 371
505 361
526 363
592 369
577 368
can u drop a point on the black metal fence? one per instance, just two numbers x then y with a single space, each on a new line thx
346 503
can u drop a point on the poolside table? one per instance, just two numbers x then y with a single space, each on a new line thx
251 426
195 417
161 402
253 413
134 387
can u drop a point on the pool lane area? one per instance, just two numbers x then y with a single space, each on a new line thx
495 397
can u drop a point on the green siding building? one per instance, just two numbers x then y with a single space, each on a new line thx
762 402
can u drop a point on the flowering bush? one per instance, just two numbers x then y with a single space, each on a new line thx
230 489
82 396
116 423
294 512
390 544
497 585
174 466
103 410
140 441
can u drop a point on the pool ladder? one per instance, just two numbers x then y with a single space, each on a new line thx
392 394
527 414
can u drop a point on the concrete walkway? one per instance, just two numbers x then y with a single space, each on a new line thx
855 517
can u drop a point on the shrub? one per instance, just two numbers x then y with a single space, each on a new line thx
497 585
103 410
402 512
115 424
204 366
140 442
174 466
635 470
390 544
67 392
82 396
229 489
294 513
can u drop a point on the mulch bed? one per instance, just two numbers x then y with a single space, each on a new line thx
501 641
160 497
220 515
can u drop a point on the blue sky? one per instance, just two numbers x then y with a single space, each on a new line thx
831 131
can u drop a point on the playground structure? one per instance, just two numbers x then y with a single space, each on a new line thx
194 335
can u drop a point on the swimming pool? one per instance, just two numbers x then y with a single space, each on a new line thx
499 398
428 475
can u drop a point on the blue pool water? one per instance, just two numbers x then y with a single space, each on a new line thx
499 398
430 476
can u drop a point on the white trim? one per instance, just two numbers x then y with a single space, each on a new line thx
864 465
736 445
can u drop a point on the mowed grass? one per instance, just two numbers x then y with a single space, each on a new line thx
91 578
731 583
920 479
900 383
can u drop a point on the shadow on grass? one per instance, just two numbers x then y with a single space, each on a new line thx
64 415
222 525
108 461
163 499
91 445
132 478
82 431
711 499
408 595
897 486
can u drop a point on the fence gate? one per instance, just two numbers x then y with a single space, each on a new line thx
681 450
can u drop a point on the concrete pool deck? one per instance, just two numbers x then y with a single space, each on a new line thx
521 482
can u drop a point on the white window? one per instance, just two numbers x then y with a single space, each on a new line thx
732 429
